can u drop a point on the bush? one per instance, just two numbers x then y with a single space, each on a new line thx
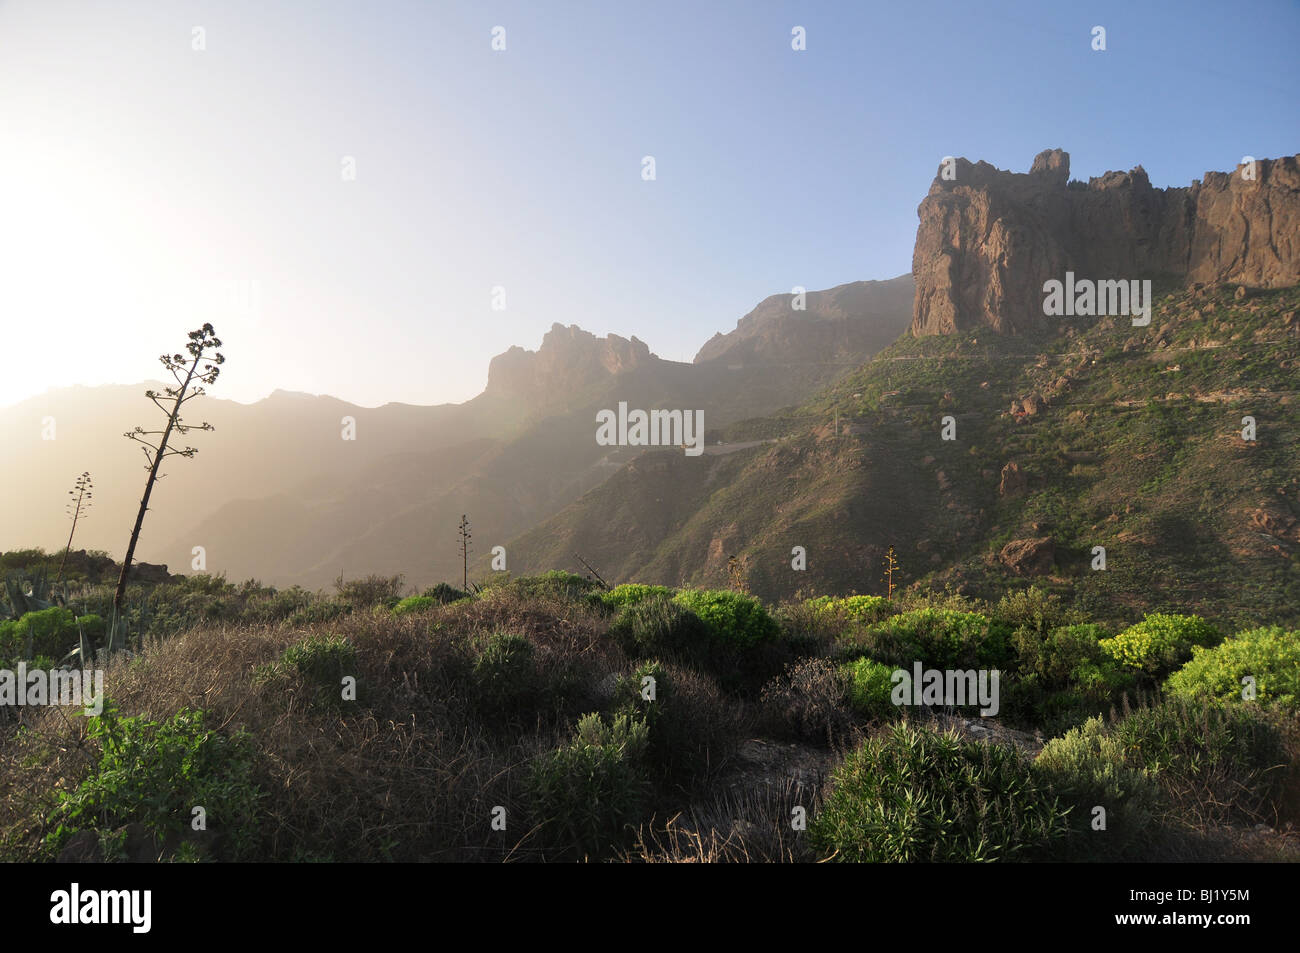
690 723
917 795
155 773
632 593
1160 643
870 688
857 610
809 702
53 633
444 594
370 591
414 604
1270 655
659 626
938 638
1087 768
732 618
553 584
1032 610
1064 677
590 794
1214 760
506 681
323 662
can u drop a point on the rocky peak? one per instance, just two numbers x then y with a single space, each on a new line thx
568 360
988 239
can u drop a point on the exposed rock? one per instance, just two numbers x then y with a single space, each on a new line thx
846 323
989 239
1014 482
1029 557
569 360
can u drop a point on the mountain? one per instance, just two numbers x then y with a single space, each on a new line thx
1067 435
277 493
845 325
988 239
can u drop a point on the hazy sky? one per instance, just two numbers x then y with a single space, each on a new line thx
146 186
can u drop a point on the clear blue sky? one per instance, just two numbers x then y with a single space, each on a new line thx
139 174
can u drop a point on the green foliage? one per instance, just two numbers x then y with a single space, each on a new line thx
1086 769
155 773
916 795
689 721
632 593
1271 655
48 632
858 610
414 604
1160 643
323 662
659 626
443 593
590 793
1032 610
732 618
1227 759
553 584
506 680
938 638
870 687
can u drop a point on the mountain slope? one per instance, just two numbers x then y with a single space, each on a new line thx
1091 433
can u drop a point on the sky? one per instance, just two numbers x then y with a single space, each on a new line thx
339 187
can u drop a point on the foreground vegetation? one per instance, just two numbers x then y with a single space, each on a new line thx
549 718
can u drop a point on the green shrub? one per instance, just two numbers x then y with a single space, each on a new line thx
938 638
870 688
414 604
319 612
1086 769
553 584
1032 610
53 633
690 724
323 662
1160 643
732 618
632 593
858 610
445 594
1214 760
659 626
1270 655
506 680
155 773
590 794
916 795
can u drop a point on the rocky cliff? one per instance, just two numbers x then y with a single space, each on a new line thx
988 239
569 360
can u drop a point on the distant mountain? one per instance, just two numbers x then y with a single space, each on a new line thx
277 493
845 325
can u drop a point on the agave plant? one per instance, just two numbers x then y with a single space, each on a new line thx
21 601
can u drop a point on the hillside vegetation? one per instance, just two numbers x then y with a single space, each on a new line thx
548 718
1093 434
